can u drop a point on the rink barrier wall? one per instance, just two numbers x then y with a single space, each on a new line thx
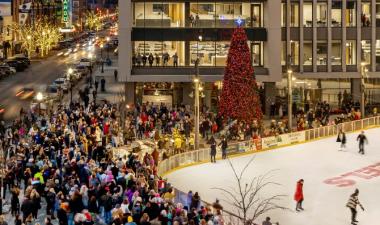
197 157
201 156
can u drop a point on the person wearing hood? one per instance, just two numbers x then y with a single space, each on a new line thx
298 195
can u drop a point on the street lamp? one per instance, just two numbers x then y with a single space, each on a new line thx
363 74
101 50
69 73
39 98
196 110
290 99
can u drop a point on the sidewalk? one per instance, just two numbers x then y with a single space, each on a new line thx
114 91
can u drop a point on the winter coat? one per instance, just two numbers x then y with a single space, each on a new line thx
298 196
213 148
27 207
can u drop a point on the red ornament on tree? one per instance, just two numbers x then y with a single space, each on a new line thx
240 98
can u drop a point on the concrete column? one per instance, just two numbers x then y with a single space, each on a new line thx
207 92
344 35
125 46
314 36
177 94
355 89
272 47
187 88
301 36
359 35
187 53
287 24
269 96
329 35
373 35
130 92
187 14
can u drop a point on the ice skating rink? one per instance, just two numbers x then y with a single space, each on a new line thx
330 177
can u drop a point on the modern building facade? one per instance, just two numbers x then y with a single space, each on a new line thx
191 29
317 39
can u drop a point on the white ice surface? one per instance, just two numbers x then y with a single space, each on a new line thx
314 162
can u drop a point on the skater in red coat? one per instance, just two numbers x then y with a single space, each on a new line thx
298 196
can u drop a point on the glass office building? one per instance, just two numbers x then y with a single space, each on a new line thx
317 39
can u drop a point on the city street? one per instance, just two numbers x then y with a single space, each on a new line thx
37 76
41 73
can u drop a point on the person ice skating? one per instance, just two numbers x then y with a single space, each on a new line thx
353 201
362 139
224 146
342 139
213 149
298 196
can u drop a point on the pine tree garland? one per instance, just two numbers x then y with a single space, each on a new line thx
240 99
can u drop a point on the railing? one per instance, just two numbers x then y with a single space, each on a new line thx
350 126
203 155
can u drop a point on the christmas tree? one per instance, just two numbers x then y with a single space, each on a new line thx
240 98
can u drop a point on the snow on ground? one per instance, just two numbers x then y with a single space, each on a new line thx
316 162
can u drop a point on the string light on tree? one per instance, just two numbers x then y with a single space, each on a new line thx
240 99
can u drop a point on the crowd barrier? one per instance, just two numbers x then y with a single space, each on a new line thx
263 144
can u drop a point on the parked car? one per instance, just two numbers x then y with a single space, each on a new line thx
63 83
22 58
6 67
51 92
18 65
25 93
5 71
85 62
3 74
82 69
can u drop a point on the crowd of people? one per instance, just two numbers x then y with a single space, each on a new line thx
61 163
308 117
148 58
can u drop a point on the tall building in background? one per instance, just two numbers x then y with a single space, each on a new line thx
5 25
188 30
325 43
79 8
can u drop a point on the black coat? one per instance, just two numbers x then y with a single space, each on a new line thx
224 144
213 148
26 207
62 217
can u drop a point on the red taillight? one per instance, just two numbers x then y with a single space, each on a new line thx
2 110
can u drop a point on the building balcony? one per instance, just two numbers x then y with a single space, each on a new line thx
179 73
192 34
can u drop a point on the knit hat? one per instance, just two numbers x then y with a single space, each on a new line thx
130 219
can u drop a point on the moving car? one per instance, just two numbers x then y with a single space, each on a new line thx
2 109
25 93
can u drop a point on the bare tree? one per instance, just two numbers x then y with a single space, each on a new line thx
247 197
